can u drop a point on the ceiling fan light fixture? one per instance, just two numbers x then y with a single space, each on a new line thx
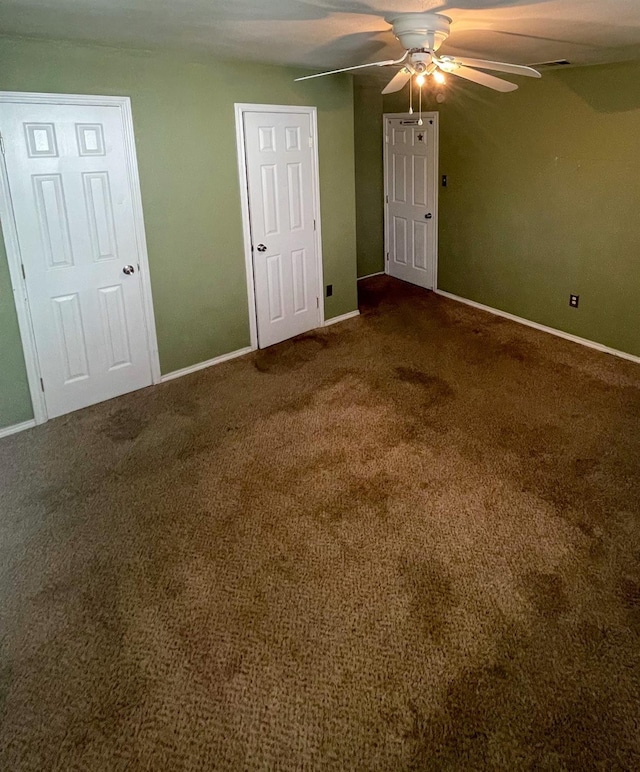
420 79
439 77
448 65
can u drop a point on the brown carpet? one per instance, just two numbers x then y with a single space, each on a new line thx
409 541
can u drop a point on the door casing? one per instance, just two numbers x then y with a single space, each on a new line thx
436 123
240 110
12 245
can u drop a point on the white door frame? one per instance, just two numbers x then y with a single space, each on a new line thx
436 124
14 258
240 109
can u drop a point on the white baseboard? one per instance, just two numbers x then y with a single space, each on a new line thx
371 275
209 363
542 327
342 318
17 428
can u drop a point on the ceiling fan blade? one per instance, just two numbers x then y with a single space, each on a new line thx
357 67
398 82
483 64
497 84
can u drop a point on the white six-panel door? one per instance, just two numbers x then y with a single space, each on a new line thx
411 206
279 159
71 194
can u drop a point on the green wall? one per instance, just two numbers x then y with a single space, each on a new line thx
15 402
543 198
367 102
185 137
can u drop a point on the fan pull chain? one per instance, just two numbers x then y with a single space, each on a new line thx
411 96
420 107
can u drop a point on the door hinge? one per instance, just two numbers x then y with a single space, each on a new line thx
387 257
310 141
41 384
387 199
317 302
1 144
314 225
24 275
386 138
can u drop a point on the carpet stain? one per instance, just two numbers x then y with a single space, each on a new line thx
630 595
431 595
435 389
58 497
5 683
495 717
361 499
406 542
233 666
547 594
290 355
584 467
517 350
123 425
188 408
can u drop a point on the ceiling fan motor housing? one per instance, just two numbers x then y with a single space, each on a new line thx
420 30
420 60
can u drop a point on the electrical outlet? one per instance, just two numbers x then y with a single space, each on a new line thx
329 290
574 300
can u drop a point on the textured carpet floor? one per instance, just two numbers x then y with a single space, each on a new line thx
409 541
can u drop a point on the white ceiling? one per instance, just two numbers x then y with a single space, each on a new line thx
324 34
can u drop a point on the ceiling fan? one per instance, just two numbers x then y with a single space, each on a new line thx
422 34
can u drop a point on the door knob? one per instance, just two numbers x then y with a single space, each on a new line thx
262 248
128 269
428 216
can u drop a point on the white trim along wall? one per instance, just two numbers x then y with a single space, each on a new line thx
15 428
341 318
543 328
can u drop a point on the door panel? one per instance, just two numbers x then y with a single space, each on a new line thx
72 201
411 224
97 193
71 338
420 244
114 324
300 294
294 190
400 240
280 178
274 287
